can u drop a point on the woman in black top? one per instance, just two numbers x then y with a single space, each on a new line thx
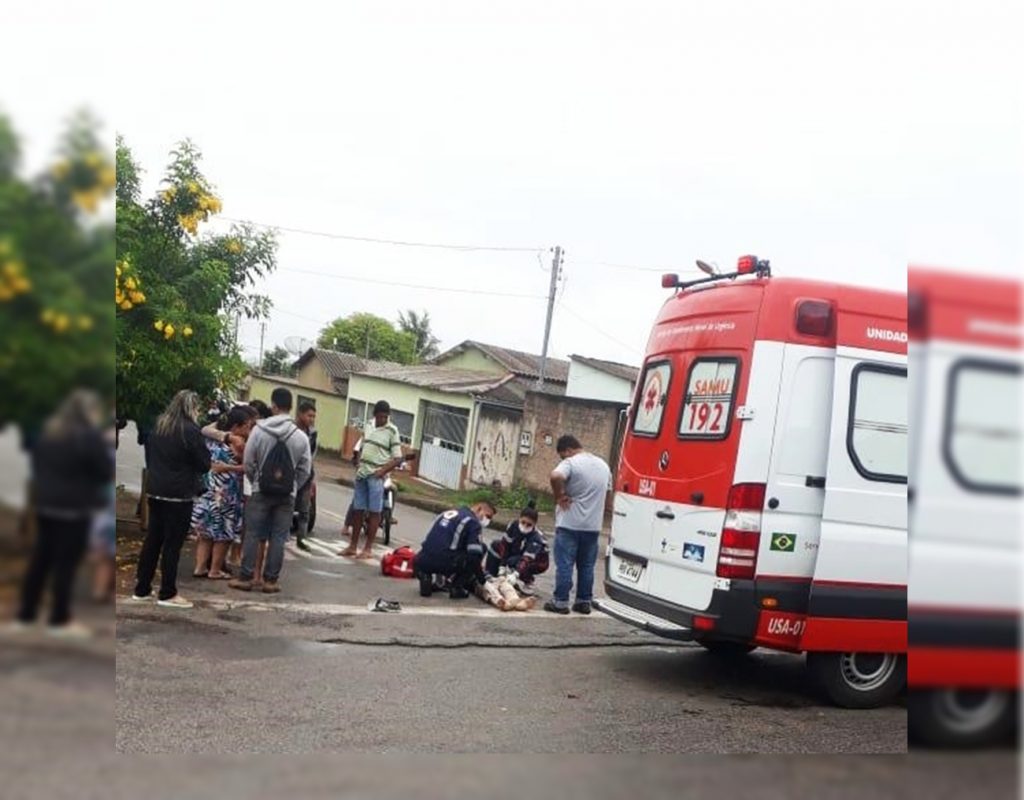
71 468
176 462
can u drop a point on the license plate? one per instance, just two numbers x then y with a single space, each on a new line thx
630 571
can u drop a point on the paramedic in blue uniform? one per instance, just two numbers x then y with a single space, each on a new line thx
452 554
521 548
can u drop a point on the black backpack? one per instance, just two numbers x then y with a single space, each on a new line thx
277 475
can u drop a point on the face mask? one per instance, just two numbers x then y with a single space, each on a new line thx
485 520
525 528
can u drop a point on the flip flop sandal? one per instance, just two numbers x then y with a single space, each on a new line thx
224 576
200 574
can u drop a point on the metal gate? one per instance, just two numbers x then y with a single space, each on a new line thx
444 442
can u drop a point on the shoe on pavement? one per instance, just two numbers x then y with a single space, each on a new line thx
555 609
271 587
581 608
301 544
175 602
426 584
241 584
69 630
458 593
138 598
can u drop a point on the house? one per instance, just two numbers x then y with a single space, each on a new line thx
441 412
595 379
503 360
322 377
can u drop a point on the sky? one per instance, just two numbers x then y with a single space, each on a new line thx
840 140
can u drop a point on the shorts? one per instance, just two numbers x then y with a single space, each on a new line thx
369 495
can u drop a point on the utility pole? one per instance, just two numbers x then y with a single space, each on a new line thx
263 330
556 273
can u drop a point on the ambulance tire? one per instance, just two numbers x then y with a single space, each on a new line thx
952 718
859 680
726 649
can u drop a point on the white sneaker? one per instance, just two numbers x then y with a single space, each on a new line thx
175 602
71 630
136 598
16 626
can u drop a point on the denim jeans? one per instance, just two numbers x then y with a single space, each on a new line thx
575 549
368 494
267 517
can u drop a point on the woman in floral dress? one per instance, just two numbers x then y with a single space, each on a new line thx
217 515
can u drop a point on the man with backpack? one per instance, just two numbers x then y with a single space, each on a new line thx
277 461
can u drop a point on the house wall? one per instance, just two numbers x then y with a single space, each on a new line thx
408 398
593 384
495 445
330 408
474 359
315 376
546 417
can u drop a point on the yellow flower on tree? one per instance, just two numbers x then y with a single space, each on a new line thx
130 283
159 324
126 305
85 323
234 246
168 331
187 330
47 316
61 323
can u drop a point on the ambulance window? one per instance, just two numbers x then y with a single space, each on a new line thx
649 406
710 394
876 436
983 426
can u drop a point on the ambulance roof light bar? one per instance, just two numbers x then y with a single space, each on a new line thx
747 265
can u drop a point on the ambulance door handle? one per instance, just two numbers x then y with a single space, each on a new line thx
665 515
697 497
815 482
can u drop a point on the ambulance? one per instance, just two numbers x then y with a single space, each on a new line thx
761 494
965 508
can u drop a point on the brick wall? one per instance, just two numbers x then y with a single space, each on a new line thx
546 417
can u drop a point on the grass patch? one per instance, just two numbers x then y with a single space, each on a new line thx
515 498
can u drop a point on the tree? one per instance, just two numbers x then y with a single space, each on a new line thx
278 362
418 325
56 325
369 336
176 292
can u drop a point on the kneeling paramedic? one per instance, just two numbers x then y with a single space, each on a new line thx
522 550
451 557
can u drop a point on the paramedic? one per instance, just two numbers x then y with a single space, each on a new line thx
521 549
453 551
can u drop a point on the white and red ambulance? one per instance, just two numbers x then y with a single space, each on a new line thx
965 507
761 492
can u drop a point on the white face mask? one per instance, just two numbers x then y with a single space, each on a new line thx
527 528
485 520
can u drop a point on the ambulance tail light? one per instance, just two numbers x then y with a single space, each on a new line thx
741 531
815 318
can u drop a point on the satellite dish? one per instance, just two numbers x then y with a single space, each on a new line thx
707 268
297 345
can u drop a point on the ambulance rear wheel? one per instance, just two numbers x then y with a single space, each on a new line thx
859 680
726 649
961 718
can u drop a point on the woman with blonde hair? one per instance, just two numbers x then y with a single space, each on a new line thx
176 463
71 468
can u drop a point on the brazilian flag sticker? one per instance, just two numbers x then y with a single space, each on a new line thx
783 542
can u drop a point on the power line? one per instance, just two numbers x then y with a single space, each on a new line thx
423 287
375 240
599 330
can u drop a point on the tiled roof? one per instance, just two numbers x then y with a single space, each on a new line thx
623 371
516 361
341 365
443 379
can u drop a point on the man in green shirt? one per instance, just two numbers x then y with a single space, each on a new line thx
381 452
